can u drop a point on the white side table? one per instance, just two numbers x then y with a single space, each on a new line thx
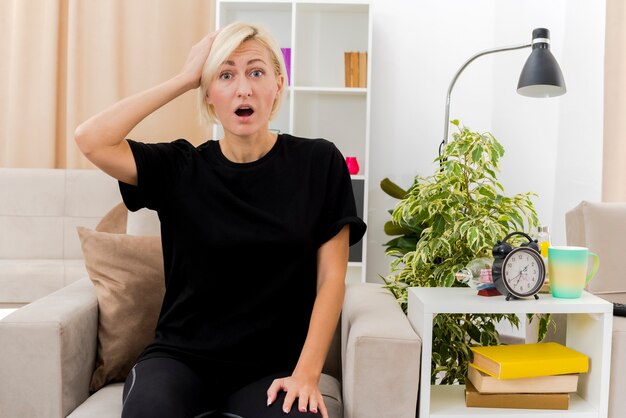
589 322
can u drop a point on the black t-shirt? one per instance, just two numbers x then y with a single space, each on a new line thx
240 244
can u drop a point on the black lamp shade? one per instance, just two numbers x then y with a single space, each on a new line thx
541 75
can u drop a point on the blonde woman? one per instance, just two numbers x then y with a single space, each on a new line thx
255 231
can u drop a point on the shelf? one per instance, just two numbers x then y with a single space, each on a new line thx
332 90
326 32
449 402
339 118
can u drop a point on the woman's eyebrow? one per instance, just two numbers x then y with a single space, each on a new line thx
252 61
255 60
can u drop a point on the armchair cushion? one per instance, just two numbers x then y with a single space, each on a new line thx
127 272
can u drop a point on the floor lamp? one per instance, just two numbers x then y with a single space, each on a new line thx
540 77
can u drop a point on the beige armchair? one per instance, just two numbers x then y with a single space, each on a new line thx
602 228
48 351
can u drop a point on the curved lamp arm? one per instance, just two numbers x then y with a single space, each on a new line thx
456 76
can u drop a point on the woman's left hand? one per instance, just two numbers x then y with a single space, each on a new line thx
298 386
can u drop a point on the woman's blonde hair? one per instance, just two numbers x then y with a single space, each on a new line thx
228 40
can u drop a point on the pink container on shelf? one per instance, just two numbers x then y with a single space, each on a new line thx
353 165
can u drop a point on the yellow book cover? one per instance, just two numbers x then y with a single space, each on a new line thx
528 360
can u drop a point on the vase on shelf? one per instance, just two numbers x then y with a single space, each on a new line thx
353 165
287 57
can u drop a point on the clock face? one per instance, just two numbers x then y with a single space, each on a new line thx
523 271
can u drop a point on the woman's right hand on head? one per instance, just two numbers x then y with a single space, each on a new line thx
197 57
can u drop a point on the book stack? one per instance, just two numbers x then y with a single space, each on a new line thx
355 69
528 376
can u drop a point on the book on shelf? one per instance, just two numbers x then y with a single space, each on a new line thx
473 398
355 69
528 360
362 69
348 68
538 384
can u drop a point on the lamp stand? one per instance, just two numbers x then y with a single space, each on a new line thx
456 76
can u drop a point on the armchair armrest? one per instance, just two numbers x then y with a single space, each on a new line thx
47 353
380 355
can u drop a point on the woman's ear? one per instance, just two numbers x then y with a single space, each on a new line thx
280 81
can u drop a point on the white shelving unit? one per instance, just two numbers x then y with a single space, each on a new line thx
317 105
589 327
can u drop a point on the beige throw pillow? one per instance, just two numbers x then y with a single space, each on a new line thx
127 272
115 220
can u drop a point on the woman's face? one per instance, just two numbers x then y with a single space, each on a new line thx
245 89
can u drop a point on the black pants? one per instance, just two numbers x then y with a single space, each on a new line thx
167 388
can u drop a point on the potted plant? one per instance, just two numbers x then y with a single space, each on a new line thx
444 221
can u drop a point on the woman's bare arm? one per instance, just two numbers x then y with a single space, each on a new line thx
332 262
101 138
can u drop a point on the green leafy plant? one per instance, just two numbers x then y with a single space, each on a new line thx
444 221
406 235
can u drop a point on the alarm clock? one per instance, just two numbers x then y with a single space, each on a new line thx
518 272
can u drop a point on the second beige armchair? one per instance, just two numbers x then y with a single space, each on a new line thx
602 228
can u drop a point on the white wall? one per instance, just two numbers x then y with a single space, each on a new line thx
553 146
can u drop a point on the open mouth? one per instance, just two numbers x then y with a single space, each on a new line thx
244 111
